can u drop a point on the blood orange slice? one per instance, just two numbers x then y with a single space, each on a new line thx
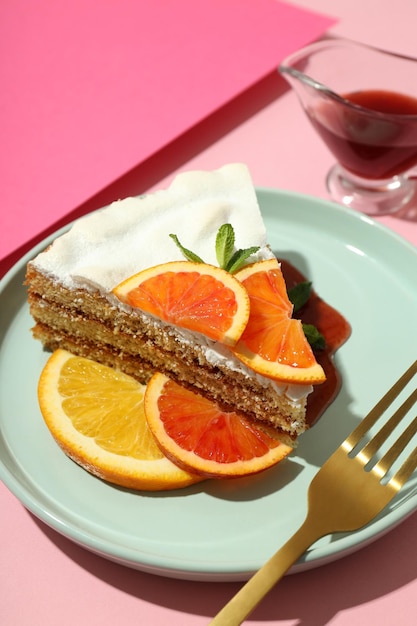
199 437
274 344
195 296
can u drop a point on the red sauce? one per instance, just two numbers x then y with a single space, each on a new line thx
384 101
334 328
366 144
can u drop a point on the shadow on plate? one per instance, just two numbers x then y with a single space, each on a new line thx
254 487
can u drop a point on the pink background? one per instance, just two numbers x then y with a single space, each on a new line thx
44 578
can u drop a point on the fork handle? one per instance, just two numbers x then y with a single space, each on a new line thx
249 596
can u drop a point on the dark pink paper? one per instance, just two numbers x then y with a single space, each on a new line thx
90 90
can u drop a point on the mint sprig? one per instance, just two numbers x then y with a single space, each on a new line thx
299 296
227 258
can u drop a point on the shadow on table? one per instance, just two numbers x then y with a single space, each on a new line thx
374 571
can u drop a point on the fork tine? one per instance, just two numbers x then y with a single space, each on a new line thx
394 452
405 471
356 435
378 439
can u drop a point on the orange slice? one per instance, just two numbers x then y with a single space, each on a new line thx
96 415
274 344
200 437
194 296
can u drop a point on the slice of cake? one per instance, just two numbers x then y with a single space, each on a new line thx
70 291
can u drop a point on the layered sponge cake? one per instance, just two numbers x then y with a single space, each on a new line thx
72 299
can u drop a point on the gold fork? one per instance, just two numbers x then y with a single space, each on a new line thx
344 495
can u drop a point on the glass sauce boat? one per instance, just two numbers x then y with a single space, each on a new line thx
363 103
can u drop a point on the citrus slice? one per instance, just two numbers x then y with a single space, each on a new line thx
196 296
274 344
200 437
96 415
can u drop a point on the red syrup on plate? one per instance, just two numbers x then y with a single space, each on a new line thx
334 328
378 141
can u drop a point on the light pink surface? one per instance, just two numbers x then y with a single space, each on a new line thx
89 91
46 580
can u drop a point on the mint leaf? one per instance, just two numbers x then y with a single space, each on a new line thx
314 337
225 242
226 258
239 258
299 294
189 255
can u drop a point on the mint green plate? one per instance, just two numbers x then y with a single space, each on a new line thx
226 530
